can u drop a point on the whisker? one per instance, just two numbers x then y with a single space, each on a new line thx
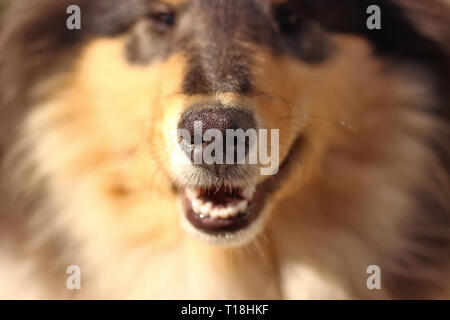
307 116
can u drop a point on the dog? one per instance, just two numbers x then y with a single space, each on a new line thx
94 176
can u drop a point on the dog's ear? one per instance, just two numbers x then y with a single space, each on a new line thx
431 18
409 28
35 40
35 35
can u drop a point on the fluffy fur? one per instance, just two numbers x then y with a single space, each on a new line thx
90 173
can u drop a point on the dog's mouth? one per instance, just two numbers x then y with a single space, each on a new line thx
224 214
220 209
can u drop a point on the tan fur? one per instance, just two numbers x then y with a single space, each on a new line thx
103 135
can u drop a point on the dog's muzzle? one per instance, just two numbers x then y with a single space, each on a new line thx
222 206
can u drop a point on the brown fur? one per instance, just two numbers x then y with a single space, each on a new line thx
86 139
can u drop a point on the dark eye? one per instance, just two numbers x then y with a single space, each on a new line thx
163 19
290 18
289 22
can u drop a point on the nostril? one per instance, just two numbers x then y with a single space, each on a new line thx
197 139
199 119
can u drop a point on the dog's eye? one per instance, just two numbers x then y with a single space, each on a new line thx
289 22
163 19
290 16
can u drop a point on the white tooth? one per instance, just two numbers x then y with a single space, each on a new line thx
196 204
225 213
216 213
242 206
232 211
222 213
205 209
248 192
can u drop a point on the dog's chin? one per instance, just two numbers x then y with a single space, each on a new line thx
229 215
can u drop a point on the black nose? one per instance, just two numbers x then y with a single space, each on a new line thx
221 118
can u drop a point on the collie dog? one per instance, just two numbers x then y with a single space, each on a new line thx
96 181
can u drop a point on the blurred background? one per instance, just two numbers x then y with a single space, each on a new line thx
2 8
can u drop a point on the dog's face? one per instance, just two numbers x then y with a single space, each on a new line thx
227 65
114 120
